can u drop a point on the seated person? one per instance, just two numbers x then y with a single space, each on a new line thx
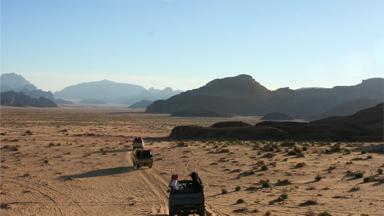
197 184
173 184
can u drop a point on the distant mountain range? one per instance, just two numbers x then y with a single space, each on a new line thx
106 91
20 92
242 95
95 93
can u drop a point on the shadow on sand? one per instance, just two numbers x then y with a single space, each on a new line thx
99 172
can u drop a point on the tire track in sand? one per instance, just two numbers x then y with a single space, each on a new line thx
156 189
44 194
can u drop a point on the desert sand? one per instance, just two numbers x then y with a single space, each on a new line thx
76 161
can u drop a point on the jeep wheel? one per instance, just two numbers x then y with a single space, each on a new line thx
171 212
202 211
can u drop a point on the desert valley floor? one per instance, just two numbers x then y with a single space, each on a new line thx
76 161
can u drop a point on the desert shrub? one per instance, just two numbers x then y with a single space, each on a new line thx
4 206
363 152
347 151
308 203
368 157
246 173
333 149
318 178
240 210
355 174
354 189
224 191
264 168
324 213
252 189
27 133
330 168
284 196
235 170
299 165
311 188
238 188
239 201
310 213
181 144
379 171
265 184
281 198
268 155
11 147
287 144
369 179
282 182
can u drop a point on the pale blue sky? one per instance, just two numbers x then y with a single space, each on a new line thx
186 43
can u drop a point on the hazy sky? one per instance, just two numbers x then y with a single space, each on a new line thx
186 43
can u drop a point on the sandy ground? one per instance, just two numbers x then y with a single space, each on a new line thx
76 161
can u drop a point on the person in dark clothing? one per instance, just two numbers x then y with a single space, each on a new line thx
197 184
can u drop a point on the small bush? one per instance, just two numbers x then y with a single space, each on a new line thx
309 203
379 171
330 168
181 144
281 198
238 188
355 174
265 184
241 210
354 189
264 168
11 147
299 165
224 191
333 149
284 196
369 179
310 213
27 133
239 201
318 178
325 213
287 144
282 182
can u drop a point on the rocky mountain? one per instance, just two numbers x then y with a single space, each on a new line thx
141 104
348 108
365 125
277 117
198 113
244 96
12 98
113 92
17 83
237 95
14 82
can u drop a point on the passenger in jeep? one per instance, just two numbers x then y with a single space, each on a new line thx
197 184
